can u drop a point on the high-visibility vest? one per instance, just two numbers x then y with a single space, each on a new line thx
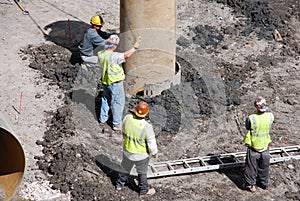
134 134
110 72
259 135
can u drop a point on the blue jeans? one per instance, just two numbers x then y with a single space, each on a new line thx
113 96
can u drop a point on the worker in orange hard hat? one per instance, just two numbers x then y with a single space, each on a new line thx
93 38
139 143
257 140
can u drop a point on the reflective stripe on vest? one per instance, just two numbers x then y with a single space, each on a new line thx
260 130
254 123
110 72
135 135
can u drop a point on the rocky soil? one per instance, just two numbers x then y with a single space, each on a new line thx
228 55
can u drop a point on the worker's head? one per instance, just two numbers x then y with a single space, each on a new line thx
97 21
261 104
112 42
141 109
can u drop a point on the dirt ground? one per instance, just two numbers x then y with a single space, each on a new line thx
228 56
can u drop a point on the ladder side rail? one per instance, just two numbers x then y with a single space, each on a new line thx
194 170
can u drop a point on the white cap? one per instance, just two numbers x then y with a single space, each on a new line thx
114 39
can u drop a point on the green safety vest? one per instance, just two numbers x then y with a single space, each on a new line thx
259 135
110 72
135 135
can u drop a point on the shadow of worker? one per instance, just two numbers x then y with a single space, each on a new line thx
236 175
67 34
112 170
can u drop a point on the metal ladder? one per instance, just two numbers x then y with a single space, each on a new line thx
216 162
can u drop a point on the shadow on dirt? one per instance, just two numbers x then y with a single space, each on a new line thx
83 97
67 34
236 175
112 171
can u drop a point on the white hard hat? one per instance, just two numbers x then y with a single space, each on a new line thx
114 39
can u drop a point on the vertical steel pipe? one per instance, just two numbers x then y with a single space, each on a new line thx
151 69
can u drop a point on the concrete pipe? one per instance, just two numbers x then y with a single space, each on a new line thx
152 69
12 162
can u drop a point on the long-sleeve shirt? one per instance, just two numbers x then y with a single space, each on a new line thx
91 39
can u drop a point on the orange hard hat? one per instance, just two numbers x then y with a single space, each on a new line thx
141 109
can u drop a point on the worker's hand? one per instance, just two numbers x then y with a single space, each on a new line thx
155 156
138 42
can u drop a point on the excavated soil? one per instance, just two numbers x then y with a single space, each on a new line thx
228 56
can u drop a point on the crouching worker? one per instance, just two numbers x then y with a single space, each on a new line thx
139 143
257 140
93 39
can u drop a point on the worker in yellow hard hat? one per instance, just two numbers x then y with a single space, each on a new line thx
93 38
138 144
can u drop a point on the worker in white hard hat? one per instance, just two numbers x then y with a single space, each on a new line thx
257 140
93 38
113 95
139 143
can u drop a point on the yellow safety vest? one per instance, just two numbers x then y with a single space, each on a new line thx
259 135
110 72
135 135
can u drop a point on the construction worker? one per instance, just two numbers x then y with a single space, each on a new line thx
93 38
112 80
257 140
139 143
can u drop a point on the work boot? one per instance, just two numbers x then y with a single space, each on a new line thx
119 187
151 191
117 128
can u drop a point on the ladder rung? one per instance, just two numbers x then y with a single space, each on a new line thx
169 166
220 160
186 165
202 163
285 152
153 168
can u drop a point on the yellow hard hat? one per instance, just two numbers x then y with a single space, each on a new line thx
97 20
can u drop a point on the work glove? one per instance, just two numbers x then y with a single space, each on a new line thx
155 156
138 42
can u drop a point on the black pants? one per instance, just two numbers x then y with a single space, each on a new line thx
141 168
257 167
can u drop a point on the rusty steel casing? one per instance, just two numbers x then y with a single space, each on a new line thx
154 62
12 162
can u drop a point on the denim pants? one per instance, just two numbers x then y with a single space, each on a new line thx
141 168
257 167
113 96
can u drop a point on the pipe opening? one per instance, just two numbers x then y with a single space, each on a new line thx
12 164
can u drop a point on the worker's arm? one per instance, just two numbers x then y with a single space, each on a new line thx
129 52
151 141
248 124
247 138
96 39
